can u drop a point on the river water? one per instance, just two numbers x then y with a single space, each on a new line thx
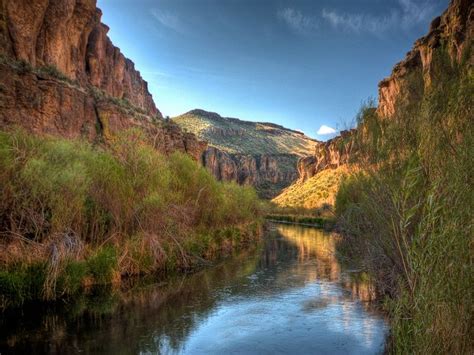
289 296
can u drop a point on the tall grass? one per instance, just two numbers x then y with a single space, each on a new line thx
408 216
82 214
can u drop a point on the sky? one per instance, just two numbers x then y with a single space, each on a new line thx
305 64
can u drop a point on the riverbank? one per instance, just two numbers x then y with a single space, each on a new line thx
308 221
290 284
74 215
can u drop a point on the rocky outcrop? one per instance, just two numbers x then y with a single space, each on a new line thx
453 30
60 74
68 35
328 155
268 173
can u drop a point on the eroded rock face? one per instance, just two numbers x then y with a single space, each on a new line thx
256 170
68 35
328 155
60 74
451 30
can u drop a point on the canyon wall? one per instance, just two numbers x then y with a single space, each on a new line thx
454 29
269 173
60 74
327 155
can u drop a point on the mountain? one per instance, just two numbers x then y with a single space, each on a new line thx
61 75
261 154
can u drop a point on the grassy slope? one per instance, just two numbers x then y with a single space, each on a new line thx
315 192
251 138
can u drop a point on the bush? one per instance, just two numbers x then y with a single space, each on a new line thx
409 216
126 208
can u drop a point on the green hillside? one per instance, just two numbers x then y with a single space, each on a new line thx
235 136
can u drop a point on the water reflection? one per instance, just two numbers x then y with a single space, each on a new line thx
290 296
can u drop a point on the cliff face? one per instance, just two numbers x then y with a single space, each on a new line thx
268 173
60 74
260 154
452 30
327 155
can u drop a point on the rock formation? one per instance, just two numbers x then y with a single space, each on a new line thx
453 30
327 155
60 74
268 173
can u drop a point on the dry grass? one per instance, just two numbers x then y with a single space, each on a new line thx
314 193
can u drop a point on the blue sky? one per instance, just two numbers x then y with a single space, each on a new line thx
301 63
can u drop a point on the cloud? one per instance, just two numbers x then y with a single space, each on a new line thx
297 21
168 20
408 14
325 130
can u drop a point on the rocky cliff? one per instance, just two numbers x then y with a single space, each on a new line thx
60 74
260 154
327 155
454 29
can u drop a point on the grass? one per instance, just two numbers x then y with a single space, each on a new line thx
408 216
90 215
316 192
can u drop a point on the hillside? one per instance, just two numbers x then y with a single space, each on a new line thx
264 155
236 136
320 174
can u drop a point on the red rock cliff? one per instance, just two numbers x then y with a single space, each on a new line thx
453 29
60 74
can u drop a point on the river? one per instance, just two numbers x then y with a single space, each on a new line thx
288 296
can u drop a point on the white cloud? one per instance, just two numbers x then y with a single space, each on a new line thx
409 13
168 20
297 21
325 130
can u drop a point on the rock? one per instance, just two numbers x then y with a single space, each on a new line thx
68 35
265 172
452 29
328 155
61 75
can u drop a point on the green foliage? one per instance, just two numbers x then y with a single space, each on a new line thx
409 216
92 213
20 283
102 264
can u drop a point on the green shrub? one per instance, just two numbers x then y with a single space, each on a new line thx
102 264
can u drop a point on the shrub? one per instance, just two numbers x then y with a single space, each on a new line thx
409 217
92 211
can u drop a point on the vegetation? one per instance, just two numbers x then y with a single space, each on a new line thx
73 215
318 222
316 192
260 138
409 215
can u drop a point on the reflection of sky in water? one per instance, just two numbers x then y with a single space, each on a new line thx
291 296
295 305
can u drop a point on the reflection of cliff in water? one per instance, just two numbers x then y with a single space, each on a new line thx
319 247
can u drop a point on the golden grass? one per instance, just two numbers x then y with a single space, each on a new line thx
315 192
